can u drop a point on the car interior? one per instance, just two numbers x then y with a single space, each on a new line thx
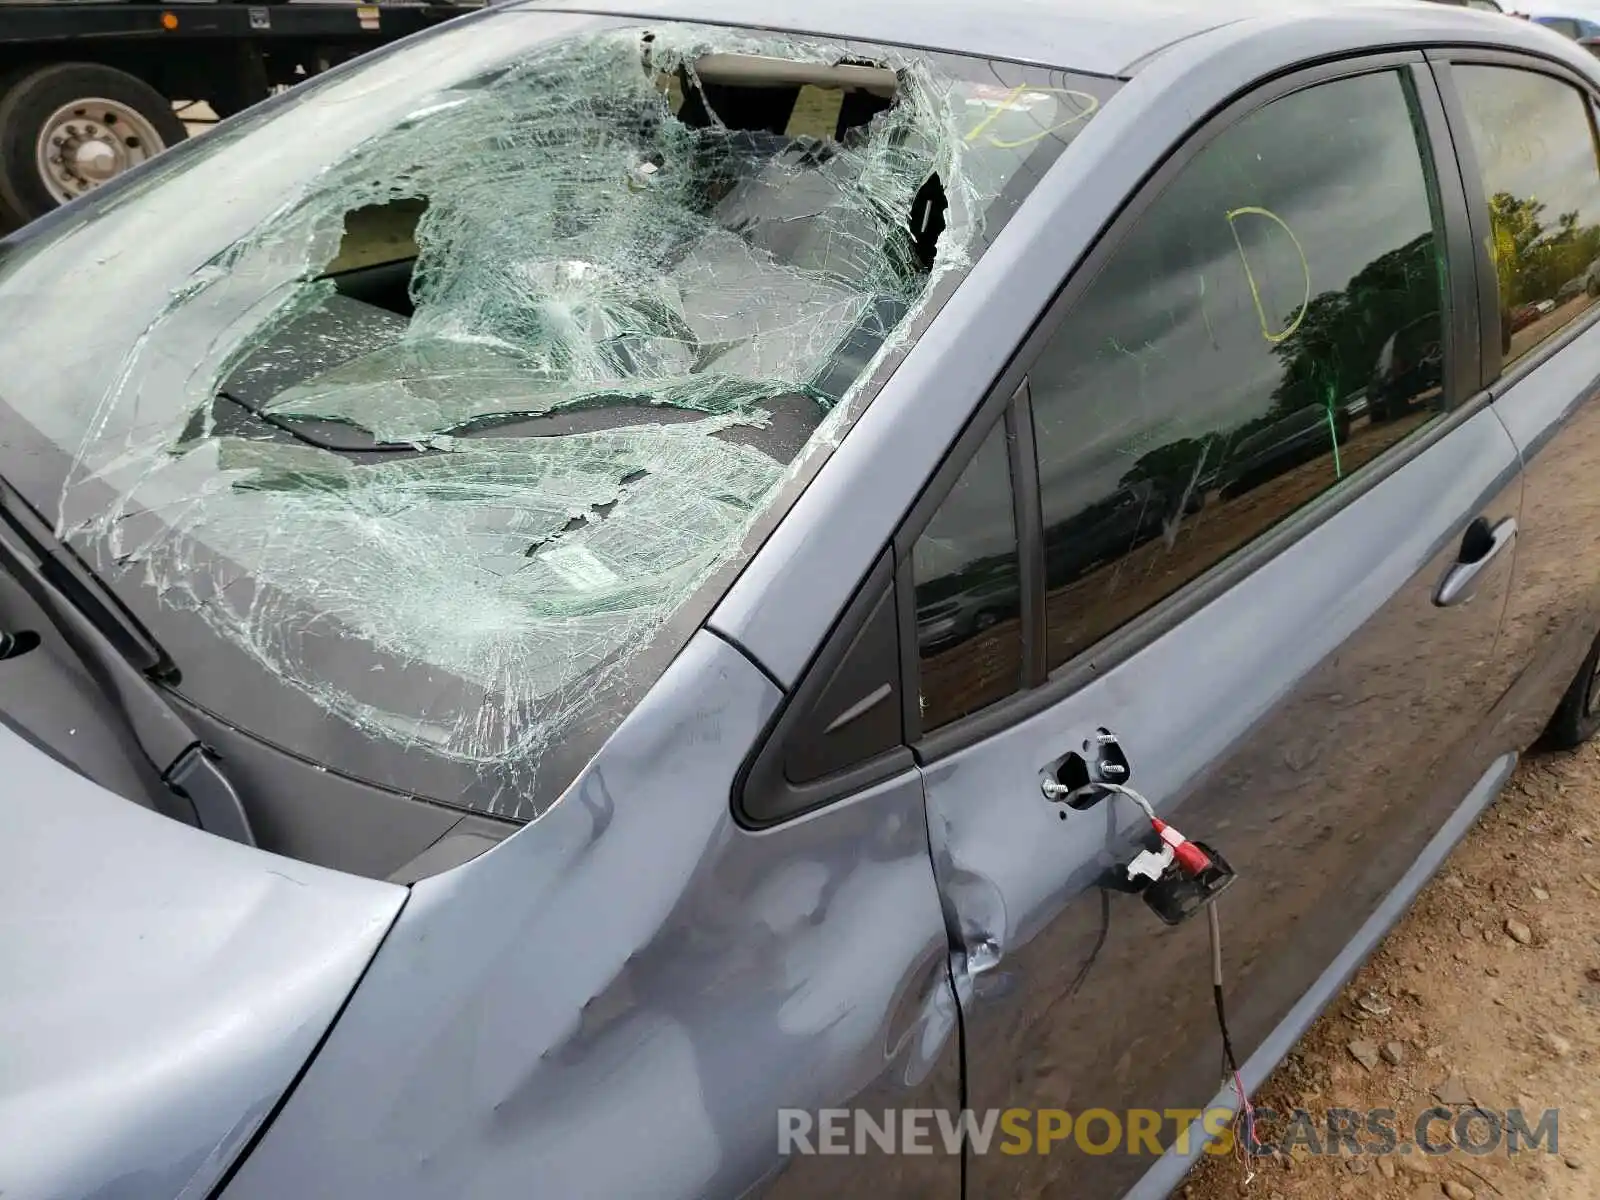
794 116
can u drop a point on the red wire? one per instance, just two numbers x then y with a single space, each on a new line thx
1249 1119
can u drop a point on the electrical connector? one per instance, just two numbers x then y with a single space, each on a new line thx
1150 864
1176 880
1190 857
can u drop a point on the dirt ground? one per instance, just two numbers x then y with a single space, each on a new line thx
1489 989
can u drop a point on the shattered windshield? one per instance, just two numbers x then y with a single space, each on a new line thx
439 427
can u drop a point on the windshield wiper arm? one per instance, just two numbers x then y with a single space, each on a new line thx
118 657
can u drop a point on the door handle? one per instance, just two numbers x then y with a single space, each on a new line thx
1479 546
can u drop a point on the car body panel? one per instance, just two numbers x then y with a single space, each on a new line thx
171 985
525 1027
1102 41
1098 39
1553 414
1549 401
1317 722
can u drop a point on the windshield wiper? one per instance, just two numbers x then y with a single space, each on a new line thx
121 660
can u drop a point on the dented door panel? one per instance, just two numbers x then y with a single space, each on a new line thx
619 1000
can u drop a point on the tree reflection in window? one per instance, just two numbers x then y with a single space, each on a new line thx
1534 140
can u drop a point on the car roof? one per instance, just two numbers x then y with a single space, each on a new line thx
1081 35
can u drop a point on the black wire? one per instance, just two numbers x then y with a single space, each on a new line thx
1222 1023
1248 1139
1214 924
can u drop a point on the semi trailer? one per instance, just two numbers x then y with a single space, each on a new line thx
90 88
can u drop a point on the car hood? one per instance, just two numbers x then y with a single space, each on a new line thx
161 987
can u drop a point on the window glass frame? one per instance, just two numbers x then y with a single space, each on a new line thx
1009 400
1017 421
1496 376
1463 394
1075 367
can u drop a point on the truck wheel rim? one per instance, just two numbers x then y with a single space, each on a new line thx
85 143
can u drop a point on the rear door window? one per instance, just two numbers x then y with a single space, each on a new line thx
1533 137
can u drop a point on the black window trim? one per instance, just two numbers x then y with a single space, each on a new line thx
1009 400
1496 376
1464 396
999 405
1030 535
763 795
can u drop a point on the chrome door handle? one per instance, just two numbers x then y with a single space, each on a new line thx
1479 546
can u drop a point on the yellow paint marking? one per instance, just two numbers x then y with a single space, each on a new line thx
1090 107
1255 291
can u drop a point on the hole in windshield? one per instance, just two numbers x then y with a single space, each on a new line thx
747 227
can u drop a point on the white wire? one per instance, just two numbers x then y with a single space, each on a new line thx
1121 790
1216 942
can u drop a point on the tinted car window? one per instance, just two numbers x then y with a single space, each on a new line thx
1270 324
1534 141
968 594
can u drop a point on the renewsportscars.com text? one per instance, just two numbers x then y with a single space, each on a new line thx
1337 1131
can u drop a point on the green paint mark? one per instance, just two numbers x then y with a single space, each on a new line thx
1333 435
1206 316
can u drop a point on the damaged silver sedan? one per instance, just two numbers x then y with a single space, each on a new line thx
610 603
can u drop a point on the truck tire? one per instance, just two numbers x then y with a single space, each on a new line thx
9 219
69 127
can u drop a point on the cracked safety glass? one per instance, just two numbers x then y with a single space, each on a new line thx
437 424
